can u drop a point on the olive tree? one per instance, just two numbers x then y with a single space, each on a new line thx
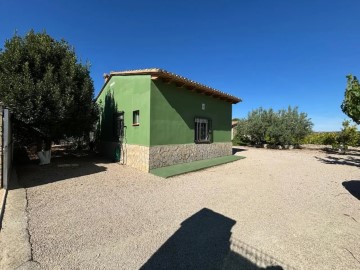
285 127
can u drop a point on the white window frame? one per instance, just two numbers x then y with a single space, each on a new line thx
202 130
136 117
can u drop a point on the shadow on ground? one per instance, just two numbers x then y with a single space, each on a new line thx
352 152
236 150
340 160
61 168
204 242
353 186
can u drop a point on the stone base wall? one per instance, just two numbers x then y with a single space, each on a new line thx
166 155
146 158
136 156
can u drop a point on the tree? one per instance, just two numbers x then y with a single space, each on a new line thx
285 127
347 136
351 102
48 90
253 128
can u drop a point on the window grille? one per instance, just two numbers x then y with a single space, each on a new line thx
202 130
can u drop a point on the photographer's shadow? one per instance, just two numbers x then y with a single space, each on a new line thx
203 242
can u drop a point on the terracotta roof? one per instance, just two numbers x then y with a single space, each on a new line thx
180 81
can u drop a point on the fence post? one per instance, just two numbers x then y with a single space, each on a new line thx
1 147
7 141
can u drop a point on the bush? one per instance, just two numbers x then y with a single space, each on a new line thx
285 127
251 130
348 136
322 138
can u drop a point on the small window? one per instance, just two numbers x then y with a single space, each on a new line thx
136 118
202 130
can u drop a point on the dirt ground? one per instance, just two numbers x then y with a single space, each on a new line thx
276 209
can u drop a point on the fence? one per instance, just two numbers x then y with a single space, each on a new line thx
6 147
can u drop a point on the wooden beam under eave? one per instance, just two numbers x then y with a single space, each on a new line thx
230 100
201 92
180 85
154 77
167 81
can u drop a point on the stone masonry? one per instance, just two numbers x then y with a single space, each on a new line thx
166 155
136 156
146 158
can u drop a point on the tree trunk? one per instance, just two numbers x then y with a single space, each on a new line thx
44 156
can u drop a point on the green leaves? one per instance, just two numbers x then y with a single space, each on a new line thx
285 127
348 134
46 87
351 103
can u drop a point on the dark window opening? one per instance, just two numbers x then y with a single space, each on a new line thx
136 118
202 130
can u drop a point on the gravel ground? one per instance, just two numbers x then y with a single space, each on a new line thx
289 209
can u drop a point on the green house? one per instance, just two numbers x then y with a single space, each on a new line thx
152 118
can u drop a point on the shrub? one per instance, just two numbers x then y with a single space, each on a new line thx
348 136
285 127
322 138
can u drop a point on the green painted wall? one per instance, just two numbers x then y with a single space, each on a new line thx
167 112
128 94
173 110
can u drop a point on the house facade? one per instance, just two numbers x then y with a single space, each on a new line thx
152 118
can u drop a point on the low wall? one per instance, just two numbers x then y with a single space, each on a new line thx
166 155
136 156
146 158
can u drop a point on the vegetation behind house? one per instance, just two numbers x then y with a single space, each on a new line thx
282 128
348 136
49 92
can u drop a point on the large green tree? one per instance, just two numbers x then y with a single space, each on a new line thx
351 102
284 127
49 91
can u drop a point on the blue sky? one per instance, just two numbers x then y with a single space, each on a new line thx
269 53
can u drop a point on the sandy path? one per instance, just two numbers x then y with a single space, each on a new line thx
288 208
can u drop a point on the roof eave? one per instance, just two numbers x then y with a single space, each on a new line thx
179 81
194 87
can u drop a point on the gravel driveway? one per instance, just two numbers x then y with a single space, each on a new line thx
291 209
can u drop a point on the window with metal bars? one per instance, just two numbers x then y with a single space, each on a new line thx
202 130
